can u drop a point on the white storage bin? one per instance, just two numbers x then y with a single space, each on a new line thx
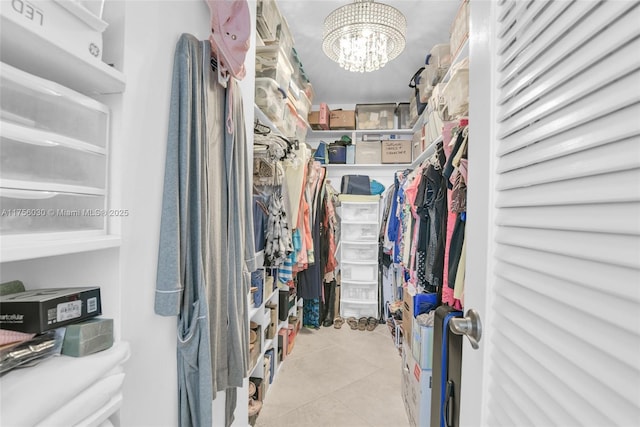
353 232
268 19
30 101
359 252
65 23
271 62
32 212
359 272
269 99
290 121
359 211
375 116
38 157
358 291
459 29
358 309
302 104
369 152
456 92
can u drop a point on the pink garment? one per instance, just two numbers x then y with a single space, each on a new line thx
230 34
447 293
9 337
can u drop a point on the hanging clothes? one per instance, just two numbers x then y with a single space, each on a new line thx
205 255
180 283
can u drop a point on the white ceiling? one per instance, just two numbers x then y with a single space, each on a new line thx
428 23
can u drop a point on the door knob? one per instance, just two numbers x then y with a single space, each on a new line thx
468 325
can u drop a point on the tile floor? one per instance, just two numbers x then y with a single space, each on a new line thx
337 378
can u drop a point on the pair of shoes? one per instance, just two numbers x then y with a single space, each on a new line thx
352 322
337 323
372 323
362 323
254 407
252 388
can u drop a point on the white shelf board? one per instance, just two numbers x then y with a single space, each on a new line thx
33 249
35 54
282 324
368 165
319 134
268 343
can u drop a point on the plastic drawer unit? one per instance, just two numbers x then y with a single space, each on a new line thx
37 103
359 211
359 291
359 232
271 62
357 309
360 271
270 99
359 252
34 212
30 158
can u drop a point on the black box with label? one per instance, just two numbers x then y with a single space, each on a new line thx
39 310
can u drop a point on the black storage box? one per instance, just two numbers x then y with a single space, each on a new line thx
40 310
283 305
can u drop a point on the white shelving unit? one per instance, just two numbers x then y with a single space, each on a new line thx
26 50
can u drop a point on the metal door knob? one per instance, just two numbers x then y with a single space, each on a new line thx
469 325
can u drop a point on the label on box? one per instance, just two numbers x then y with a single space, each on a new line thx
68 310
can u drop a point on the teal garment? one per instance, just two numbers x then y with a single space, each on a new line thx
180 282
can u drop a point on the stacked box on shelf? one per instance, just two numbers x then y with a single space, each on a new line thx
434 71
459 29
456 91
270 99
272 62
268 20
368 152
54 157
375 116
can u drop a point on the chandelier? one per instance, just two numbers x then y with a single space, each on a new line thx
364 35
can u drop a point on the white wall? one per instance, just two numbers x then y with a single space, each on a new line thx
151 30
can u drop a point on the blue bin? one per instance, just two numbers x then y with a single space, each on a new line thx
337 154
424 303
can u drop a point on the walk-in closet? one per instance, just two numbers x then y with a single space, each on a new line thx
345 213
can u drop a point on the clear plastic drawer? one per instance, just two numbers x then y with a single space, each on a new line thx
36 156
358 291
31 212
33 102
357 232
271 62
359 272
269 99
358 309
359 252
359 211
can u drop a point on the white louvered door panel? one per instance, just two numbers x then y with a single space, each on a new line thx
562 342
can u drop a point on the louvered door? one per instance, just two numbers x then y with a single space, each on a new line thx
556 187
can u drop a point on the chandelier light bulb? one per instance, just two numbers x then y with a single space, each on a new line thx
364 35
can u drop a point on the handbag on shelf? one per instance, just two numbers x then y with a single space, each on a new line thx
355 184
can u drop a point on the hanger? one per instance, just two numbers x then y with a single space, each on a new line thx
260 128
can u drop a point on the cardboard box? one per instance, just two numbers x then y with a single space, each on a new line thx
368 153
40 310
319 120
342 120
416 391
407 317
396 151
